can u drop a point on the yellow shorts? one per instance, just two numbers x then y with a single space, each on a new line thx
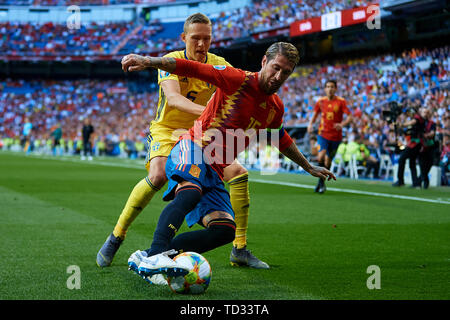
160 142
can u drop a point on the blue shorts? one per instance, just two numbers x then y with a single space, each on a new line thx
186 163
329 145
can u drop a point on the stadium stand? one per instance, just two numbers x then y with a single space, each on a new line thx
116 104
273 14
51 38
76 2
122 109
56 39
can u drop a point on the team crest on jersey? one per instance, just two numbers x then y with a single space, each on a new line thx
271 115
163 74
155 146
220 67
195 171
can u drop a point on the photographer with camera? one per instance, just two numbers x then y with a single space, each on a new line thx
414 133
428 148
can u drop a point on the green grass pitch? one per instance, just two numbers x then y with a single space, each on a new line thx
56 213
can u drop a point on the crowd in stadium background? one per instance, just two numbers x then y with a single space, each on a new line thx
93 38
121 111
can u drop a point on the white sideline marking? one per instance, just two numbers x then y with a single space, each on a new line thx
289 184
377 194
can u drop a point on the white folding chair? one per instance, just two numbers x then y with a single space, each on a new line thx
386 165
355 168
337 165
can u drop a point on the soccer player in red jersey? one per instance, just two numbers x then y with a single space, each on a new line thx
243 101
181 101
332 109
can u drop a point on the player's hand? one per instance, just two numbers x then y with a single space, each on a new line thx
338 126
309 129
322 172
134 62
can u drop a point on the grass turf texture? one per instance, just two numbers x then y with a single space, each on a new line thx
55 214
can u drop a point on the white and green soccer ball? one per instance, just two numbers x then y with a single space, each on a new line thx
197 280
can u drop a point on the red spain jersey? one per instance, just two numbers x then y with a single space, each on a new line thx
332 112
238 103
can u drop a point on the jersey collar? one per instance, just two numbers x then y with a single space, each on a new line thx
186 57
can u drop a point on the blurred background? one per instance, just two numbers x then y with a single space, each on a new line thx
60 64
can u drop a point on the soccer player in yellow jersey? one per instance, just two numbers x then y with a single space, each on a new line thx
181 101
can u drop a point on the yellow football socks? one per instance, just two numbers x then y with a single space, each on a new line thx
240 201
141 195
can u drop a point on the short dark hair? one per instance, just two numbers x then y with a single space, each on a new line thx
332 81
285 49
196 18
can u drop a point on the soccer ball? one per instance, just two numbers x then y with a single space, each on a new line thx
197 280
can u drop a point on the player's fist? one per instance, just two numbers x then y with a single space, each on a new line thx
134 62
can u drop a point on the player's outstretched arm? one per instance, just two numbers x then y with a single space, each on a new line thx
135 62
295 155
227 78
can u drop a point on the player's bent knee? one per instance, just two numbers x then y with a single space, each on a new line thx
239 170
157 172
215 215
158 179
224 230
234 170
322 154
186 198
186 185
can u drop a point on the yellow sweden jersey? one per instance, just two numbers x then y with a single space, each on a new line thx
195 90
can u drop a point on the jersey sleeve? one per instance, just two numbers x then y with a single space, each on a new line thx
317 106
345 109
284 139
227 78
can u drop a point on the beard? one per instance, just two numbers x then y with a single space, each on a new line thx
273 88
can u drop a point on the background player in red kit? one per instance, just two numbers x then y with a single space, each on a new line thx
243 100
332 109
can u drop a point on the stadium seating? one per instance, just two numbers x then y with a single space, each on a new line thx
72 2
54 39
48 102
414 77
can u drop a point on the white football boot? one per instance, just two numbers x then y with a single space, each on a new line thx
135 260
157 279
162 264
133 264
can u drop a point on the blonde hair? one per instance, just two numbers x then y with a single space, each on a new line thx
196 18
